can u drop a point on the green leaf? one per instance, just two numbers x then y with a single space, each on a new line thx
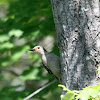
3 1
30 74
69 96
86 93
15 32
64 88
17 54
4 37
34 35
6 45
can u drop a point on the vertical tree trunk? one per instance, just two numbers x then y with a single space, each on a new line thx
78 30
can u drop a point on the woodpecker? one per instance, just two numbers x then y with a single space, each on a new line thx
50 61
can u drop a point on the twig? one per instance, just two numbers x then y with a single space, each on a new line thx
40 89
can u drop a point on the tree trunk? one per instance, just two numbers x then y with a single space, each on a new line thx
77 25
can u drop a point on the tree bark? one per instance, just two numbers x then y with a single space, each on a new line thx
77 25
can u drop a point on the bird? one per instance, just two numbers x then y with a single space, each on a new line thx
50 61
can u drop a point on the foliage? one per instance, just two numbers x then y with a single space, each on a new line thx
88 93
85 94
24 25
69 95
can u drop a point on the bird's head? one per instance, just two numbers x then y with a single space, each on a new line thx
38 49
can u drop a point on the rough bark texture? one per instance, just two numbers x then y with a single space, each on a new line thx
77 25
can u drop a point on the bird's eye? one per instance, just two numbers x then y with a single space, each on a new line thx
38 47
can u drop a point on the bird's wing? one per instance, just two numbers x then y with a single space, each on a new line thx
49 71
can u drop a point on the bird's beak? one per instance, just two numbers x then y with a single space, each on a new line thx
32 50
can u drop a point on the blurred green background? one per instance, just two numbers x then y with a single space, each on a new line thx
23 25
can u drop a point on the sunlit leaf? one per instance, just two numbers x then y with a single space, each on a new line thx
68 96
15 32
64 88
6 45
35 34
86 93
4 37
30 74
17 54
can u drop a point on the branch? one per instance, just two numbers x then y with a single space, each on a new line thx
39 90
